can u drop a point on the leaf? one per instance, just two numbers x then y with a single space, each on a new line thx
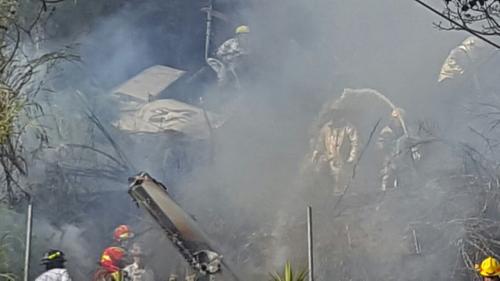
289 275
288 272
275 277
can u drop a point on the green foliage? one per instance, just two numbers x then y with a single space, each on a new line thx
289 275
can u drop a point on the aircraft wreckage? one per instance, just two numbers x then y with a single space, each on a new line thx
180 228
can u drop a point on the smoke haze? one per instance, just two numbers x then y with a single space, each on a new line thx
251 199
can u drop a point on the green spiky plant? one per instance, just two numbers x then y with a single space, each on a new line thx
289 275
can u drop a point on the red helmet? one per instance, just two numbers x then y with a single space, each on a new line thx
112 259
122 233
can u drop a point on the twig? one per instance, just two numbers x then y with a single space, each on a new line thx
347 186
107 155
464 27
415 241
348 234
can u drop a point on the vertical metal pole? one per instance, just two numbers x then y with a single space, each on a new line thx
310 244
27 253
209 28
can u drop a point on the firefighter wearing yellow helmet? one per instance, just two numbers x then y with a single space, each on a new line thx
55 268
489 269
229 55
242 29
232 49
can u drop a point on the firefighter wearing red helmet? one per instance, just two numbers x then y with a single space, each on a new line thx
114 258
122 235
111 263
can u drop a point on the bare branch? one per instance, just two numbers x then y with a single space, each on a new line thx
479 20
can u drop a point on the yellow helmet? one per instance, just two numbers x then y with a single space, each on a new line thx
242 29
489 267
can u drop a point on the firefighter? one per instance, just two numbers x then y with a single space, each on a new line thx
469 72
122 235
229 55
393 144
388 144
137 270
232 50
113 259
336 148
112 262
466 60
54 265
489 269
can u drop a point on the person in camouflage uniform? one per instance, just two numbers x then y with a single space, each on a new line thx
229 55
137 271
231 50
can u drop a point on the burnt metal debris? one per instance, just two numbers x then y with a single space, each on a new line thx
180 228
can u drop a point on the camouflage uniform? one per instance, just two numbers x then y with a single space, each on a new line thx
230 52
337 146
228 59
137 271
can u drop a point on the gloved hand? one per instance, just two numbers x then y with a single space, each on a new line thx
415 153
411 145
126 276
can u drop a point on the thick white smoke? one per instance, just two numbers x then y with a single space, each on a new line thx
252 198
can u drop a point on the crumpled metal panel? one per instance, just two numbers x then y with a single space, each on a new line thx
169 115
149 83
